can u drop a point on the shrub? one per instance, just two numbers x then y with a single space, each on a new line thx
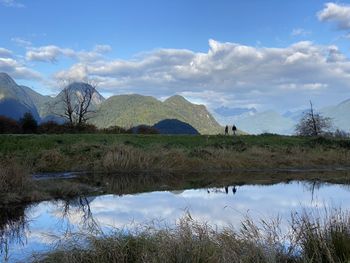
8 125
143 129
115 130
28 123
52 127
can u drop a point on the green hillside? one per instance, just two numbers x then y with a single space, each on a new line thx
196 115
132 110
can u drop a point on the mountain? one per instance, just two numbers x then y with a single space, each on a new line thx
14 99
173 126
41 102
133 110
268 121
196 115
295 115
230 112
50 109
340 115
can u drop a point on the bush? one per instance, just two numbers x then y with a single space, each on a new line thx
52 127
143 129
8 125
85 128
115 130
28 123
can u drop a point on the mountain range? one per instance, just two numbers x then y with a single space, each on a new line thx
270 121
120 110
133 110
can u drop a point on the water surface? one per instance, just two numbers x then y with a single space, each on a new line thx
37 227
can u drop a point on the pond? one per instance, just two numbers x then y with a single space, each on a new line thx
36 228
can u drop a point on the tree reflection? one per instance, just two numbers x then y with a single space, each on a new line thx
13 227
80 206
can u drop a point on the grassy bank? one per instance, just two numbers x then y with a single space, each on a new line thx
18 187
112 153
136 163
309 240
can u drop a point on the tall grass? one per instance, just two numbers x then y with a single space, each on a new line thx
129 158
67 152
13 178
309 240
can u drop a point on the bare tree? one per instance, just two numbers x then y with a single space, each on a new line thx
313 124
74 103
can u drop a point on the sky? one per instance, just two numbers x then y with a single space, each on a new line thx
250 53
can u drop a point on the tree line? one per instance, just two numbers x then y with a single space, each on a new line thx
29 125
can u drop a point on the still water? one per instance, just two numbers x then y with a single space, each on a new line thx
38 227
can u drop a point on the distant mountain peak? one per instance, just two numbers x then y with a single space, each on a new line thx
227 111
344 102
78 87
177 98
6 80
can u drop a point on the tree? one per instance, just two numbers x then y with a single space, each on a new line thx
74 102
8 125
313 124
28 123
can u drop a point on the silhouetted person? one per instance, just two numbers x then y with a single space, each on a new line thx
226 189
226 130
234 129
234 189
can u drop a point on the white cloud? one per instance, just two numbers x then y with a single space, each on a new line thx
17 70
255 75
299 32
336 13
10 65
11 3
51 53
5 53
48 53
21 42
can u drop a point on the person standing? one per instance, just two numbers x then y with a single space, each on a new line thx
234 129
226 130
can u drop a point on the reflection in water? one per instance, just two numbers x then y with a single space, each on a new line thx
218 206
12 229
81 206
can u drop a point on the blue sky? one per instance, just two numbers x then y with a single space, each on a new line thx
267 54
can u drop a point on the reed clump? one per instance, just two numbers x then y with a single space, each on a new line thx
308 240
14 179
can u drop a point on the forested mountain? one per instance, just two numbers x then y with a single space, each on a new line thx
15 100
133 110
121 110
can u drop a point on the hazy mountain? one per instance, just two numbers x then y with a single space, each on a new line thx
229 112
173 126
133 110
268 121
14 99
41 102
340 115
294 115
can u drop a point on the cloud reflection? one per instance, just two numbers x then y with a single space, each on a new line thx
217 206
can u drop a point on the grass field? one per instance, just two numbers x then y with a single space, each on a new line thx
54 153
174 161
